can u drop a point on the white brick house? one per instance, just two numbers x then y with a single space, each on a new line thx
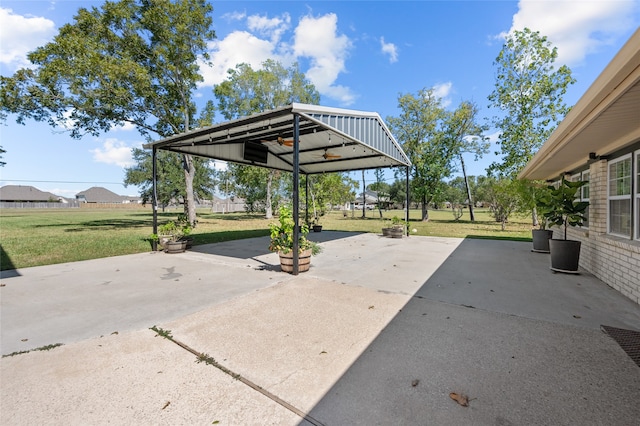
599 141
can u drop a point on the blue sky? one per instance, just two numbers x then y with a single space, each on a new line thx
359 54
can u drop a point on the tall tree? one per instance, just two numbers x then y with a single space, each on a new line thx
381 187
247 91
528 91
170 177
464 135
131 61
419 130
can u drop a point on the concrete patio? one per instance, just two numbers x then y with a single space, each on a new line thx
379 331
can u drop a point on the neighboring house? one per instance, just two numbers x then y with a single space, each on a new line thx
98 194
371 200
599 141
27 194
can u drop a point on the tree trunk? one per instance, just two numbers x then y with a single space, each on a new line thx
189 174
425 211
268 211
364 200
466 183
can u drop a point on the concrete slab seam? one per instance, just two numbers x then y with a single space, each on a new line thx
211 361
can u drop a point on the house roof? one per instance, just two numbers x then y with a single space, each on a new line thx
603 121
98 194
25 193
331 140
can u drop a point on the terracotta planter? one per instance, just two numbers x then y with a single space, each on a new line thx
565 255
304 261
541 239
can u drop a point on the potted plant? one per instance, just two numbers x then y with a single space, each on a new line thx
565 211
315 225
282 242
386 228
170 235
542 235
398 227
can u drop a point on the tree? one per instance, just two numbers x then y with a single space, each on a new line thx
503 197
418 129
397 192
528 90
381 187
247 91
170 177
464 136
328 189
130 62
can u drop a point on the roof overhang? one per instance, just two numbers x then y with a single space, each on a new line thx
605 120
330 140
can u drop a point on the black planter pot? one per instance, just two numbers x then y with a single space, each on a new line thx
317 228
541 239
565 255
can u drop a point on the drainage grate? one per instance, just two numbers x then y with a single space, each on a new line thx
629 341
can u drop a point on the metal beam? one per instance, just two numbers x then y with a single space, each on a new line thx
296 192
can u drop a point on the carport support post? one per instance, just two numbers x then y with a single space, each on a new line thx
154 197
406 214
296 192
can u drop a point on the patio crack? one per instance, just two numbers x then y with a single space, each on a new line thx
202 357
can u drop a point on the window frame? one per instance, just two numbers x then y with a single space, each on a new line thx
620 197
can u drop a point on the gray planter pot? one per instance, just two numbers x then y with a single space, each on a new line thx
175 246
396 232
541 239
565 255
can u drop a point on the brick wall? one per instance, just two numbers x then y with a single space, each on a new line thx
614 260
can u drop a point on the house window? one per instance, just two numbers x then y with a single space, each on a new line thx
619 196
584 196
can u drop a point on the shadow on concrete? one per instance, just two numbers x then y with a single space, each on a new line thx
7 268
494 323
252 248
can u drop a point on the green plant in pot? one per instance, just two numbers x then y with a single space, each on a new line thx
542 235
170 236
564 211
398 227
282 239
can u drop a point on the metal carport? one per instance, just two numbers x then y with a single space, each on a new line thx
297 138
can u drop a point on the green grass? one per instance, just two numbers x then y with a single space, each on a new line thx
43 237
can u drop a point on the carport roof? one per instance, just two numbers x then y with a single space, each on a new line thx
331 140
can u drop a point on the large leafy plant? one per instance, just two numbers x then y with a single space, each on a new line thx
561 207
282 234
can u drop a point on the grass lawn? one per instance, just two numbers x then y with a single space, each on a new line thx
42 237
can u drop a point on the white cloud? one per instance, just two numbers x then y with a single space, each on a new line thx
318 40
315 39
389 49
115 152
442 91
236 48
218 165
273 27
21 35
576 27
